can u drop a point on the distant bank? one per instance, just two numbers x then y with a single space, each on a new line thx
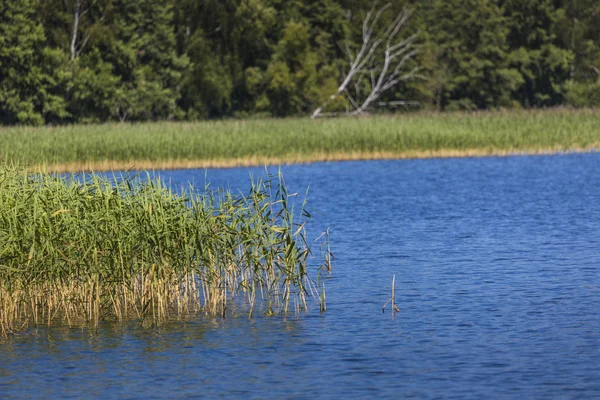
233 143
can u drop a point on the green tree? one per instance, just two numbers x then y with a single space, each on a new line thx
578 30
470 54
304 66
29 71
245 57
222 39
292 73
92 91
82 30
144 57
543 64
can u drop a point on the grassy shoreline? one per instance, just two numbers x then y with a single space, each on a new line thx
235 143
99 166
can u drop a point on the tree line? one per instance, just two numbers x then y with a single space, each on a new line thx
67 61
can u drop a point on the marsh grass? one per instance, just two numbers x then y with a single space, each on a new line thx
88 249
233 143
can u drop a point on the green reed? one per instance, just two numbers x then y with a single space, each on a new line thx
273 141
92 249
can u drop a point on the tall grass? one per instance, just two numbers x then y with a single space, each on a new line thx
258 142
85 250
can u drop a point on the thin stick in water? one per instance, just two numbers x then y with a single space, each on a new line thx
395 308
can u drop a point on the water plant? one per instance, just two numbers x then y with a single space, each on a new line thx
85 249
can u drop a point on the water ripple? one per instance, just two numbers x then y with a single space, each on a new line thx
497 277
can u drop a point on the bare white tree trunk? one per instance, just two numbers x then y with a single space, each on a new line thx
77 45
386 70
76 16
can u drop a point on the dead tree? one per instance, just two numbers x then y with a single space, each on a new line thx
80 9
381 60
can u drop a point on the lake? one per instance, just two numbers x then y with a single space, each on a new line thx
497 264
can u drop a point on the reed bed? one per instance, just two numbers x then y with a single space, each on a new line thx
87 249
233 143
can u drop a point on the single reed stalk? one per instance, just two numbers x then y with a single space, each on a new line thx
393 292
392 299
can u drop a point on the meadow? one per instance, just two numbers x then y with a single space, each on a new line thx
229 143
86 249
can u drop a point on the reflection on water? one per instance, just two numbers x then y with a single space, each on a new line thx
497 277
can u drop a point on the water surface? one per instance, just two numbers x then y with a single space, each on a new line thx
497 264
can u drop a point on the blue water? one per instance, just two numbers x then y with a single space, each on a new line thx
497 264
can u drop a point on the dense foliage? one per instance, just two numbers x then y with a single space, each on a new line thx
100 60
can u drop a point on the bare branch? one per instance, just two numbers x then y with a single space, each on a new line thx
365 27
354 104
398 69
349 51
385 66
356 84
398 23
404 44
378 16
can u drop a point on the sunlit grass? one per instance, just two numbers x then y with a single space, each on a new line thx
91 249
258 142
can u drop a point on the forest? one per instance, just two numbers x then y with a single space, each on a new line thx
92 61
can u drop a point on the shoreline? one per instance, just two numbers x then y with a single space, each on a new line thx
251 143
245 162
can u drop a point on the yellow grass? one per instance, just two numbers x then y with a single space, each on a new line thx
114 165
